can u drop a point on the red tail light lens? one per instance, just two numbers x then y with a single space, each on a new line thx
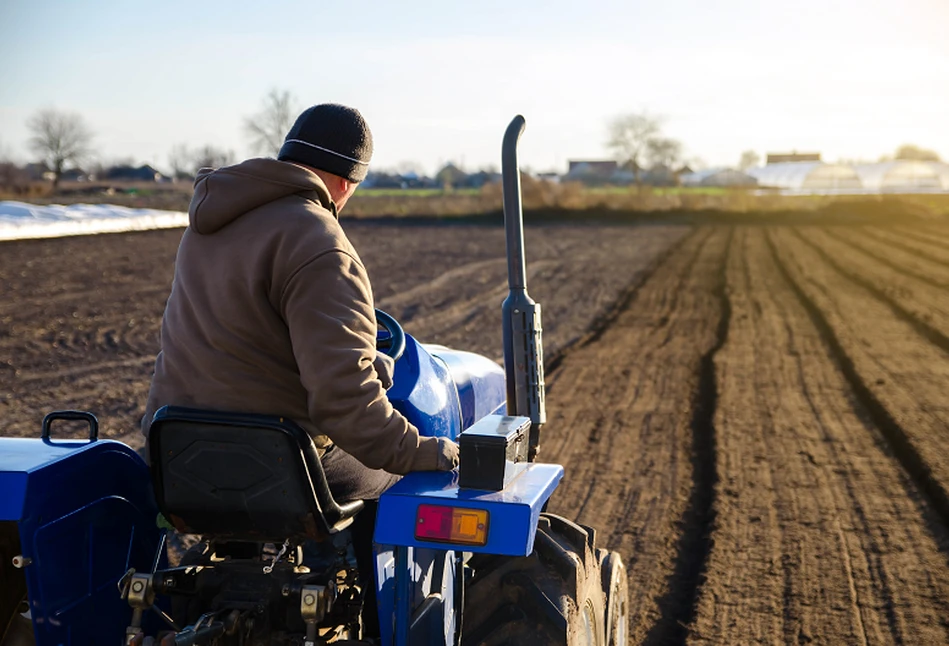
451 525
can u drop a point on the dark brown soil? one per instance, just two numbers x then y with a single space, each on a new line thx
80 317
754 416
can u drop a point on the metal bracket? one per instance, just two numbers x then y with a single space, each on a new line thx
138 589
316 601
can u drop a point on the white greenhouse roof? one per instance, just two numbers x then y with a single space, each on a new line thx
942 170
895 175
806 175
718 177
19 220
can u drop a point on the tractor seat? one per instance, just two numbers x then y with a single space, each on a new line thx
241 477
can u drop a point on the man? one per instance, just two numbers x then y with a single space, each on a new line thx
271 310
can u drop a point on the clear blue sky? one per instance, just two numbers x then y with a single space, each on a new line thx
438 81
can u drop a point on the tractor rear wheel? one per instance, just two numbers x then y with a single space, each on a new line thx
616 588
553 596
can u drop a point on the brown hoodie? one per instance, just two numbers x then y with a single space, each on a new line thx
271 312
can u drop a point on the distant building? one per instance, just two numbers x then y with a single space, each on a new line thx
73 175
38 171
594 172
598 168
659 175
551 176
480 178
134 174
721 177
382 180
450 176
783 158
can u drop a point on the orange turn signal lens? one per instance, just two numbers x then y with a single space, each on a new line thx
451 525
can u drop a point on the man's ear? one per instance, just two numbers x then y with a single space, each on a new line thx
344 185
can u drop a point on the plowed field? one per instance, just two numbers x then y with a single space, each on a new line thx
756 417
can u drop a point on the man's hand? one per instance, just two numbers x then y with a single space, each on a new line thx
447 454
385 368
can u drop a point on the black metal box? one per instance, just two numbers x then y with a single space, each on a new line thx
493 452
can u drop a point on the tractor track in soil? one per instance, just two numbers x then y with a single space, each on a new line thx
931 241
897 303
909 264
678 608
938 233
811 543
896 238
917 458
925 301
628 418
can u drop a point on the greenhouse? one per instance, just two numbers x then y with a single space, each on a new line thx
942 170
807 176
900 175
722 177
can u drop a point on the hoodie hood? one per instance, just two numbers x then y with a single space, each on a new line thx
223 195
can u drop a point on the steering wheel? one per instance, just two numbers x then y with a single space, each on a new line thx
390 338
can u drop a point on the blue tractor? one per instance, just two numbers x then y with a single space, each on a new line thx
465 557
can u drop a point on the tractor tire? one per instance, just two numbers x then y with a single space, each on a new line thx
553 596
616 588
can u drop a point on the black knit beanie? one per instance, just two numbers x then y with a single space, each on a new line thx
332 138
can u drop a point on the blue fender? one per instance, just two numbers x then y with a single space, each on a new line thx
85 514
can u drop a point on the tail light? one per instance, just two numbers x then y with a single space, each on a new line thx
451 524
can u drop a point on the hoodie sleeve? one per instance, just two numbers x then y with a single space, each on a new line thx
328 307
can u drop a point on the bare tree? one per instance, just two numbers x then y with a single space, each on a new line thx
662 151
209 156
180 161
60 137
268 127
915 153
749 159
12 178
629 135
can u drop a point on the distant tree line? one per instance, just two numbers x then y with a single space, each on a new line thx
62 140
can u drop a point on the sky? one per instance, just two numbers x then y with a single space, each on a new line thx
439 81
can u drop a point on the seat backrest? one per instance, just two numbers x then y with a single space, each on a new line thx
241 476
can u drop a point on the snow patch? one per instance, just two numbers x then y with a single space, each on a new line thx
19 220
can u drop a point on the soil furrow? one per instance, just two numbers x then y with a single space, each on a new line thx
938 232
935 242
912 265
620 420
931 251
880 384
678 607
811 545
603 321
900 301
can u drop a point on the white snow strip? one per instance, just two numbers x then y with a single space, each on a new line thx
19 220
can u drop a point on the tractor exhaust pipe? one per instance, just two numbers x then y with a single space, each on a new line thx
523 350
